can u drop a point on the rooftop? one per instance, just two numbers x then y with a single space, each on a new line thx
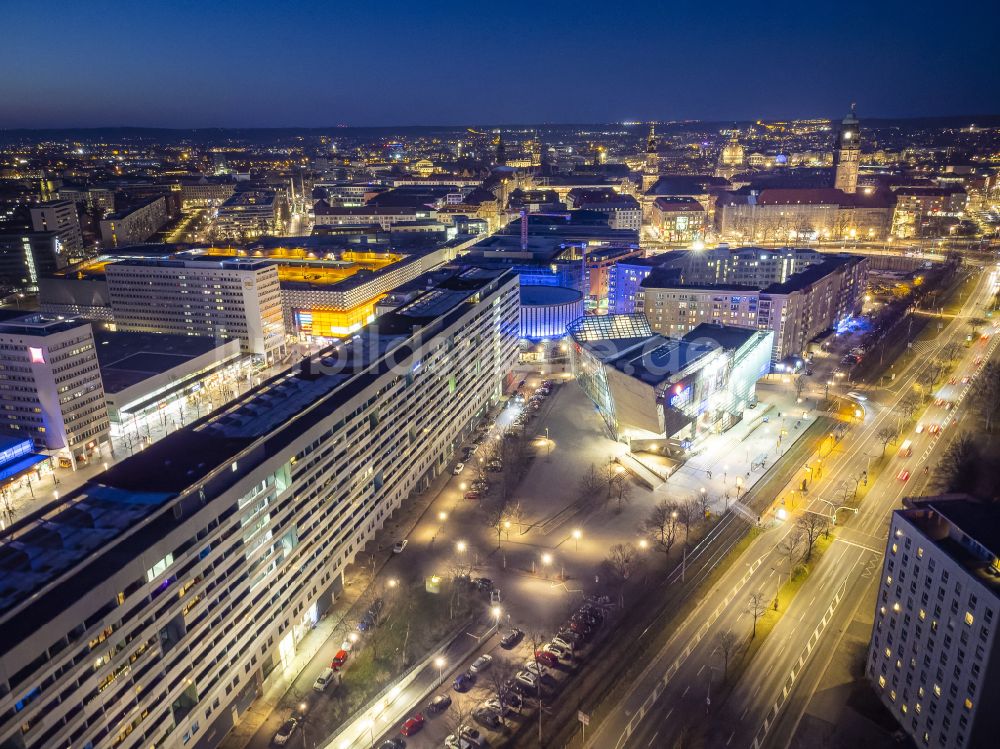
39 324
132 499
129 358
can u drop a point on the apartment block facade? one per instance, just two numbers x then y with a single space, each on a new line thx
61 217
933 660
157 601
50 385
796 294
222 298
134 225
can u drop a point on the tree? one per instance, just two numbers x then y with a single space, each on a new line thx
951 351
789 547
497 675
959 467
622 561
726 643
811 525
688 512
661 525
501 515
756 607
704 504
975 323
909 404
987 393
610 475
622 492
887 434
591 483
800 385
459 715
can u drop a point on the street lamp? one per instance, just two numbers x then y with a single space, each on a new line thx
439 662
353 637
442 516
393 582
644 544
577 533
461 546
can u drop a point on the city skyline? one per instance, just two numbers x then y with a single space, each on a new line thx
294 65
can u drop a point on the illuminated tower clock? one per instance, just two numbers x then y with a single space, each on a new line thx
847 154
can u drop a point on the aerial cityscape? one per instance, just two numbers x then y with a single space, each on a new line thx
365 385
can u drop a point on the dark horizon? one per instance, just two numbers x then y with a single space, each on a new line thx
194 65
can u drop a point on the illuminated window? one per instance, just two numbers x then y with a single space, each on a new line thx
969 618
968 704
937 691
892 695
922 615
888 653
895 548
881 681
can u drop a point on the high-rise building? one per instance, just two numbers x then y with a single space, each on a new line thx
61 217
135 224
221 297
157 600
847 156
25 256
933 659
50 385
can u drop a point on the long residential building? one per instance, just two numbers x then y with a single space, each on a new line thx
220 297
797 294
61 217
154 603
933 658
136 224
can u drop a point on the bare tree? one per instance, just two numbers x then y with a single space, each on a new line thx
811 525
975 323
756 607
800 385
623 559
958 470
704 504
459 716
987 393
591 483
501 515
688 512
909 404
951 351
726 642
887 434
622 492
661 525
499 673
789 547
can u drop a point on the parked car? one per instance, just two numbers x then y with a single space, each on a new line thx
412 725
536 668
494 466
528 679
327 675
366 623
459 467
547 658
503 708
510 697
480 485
560 651
397 548
562 642
568 635
511 639
464 682
393 743
439 704
285 732
481 663
472 495
339 660
484 584
485 716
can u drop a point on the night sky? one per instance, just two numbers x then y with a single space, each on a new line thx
382 62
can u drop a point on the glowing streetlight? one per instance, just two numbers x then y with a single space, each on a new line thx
439 662
442 516
393 582
353 637
546 559
644 544
577 534
496 611
461 546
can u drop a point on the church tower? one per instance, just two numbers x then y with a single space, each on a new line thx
652 151
847 154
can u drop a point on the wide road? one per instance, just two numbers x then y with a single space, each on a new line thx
692 661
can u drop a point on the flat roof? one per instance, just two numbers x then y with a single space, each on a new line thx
727 336
130 500
538 295
130 358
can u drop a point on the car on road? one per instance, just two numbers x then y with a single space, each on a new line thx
511 639
472 495
339 660
464 682
903 475
397 548
327 675
459 467
856 395
366 623
966 380
486 717
439 704
412 725
393 743
285 731
934 429
481 663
